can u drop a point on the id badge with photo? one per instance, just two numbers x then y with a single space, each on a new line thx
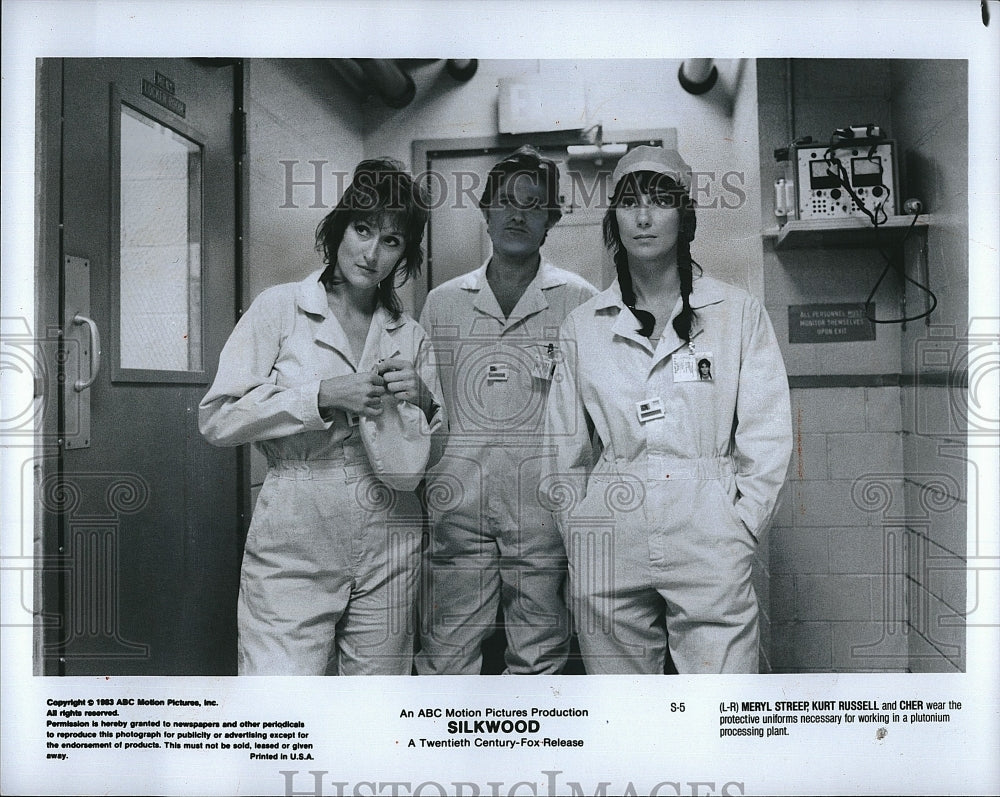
693 367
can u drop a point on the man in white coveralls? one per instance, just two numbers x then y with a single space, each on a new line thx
495 334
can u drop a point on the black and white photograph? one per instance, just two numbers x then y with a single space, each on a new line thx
668 381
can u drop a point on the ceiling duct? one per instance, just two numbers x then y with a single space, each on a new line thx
349 71
697 75
394 86
389 81
461 70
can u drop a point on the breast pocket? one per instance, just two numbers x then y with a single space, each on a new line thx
544 358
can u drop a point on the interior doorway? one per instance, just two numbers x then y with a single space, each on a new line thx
455 171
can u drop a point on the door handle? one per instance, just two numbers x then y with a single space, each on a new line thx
95 351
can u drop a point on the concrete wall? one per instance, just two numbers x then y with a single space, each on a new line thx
836 582
746 159
297 112
930 111
849 576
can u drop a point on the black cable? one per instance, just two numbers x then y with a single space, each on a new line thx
841 174
877 219
869 314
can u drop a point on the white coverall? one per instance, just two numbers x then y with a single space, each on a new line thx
331 565
491 540
661 515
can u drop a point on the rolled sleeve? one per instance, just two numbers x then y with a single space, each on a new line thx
312 418
244 403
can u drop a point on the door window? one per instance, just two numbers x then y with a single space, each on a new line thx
160 301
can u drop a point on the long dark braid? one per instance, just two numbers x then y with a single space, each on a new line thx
646 319
684 320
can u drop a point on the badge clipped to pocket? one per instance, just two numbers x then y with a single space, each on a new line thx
544 362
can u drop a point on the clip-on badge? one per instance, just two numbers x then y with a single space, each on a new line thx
496 372
650 409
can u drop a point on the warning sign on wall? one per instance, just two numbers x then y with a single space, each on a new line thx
829 323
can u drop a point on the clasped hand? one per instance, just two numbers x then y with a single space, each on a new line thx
362 393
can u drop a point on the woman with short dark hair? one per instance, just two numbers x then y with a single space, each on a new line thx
313 374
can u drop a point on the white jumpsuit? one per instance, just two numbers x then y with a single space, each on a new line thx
662 483
331 565
491 540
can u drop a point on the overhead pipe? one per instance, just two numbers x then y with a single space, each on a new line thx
349 71
461 69
395 87
697 75
392 84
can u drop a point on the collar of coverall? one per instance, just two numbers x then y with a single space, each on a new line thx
311 297
704 291
547 277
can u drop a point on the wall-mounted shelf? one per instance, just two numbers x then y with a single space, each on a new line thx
848 232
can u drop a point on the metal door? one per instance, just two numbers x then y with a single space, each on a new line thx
141 518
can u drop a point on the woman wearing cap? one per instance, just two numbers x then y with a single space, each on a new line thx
331 561
663 480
